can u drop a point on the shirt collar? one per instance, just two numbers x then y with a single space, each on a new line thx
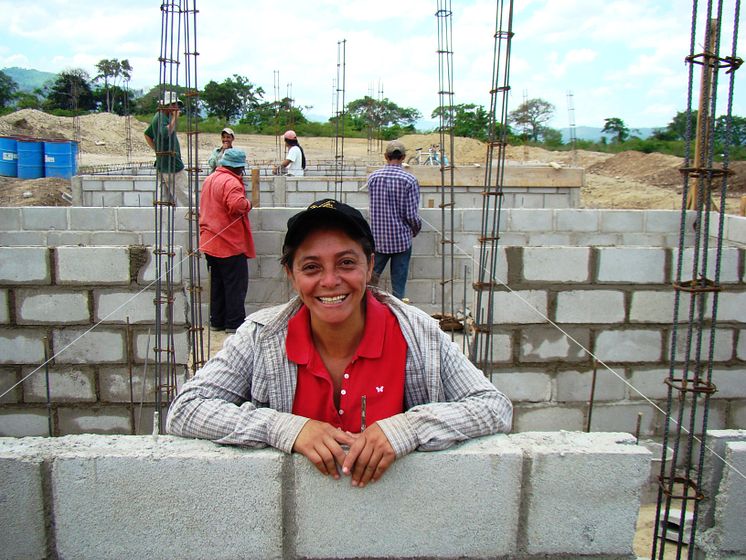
299 343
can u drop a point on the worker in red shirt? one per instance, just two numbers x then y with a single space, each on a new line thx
226 240
345 374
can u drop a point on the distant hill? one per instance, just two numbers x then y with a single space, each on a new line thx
594 134
28 80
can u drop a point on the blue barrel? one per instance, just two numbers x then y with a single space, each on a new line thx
58 159
30 159
75 149
8 157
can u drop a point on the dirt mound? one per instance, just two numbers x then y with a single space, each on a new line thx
47 191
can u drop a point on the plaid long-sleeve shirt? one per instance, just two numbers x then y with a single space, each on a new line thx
244 395
394 208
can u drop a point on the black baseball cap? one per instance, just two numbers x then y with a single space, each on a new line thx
326 211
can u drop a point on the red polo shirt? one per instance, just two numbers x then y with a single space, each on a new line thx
373 372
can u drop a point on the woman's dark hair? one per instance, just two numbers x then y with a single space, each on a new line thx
294 142
288 251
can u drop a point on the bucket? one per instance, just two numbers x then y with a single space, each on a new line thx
8 157
30 159
58 159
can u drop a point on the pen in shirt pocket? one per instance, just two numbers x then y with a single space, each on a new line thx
363 404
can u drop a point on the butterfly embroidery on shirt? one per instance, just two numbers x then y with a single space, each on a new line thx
379 389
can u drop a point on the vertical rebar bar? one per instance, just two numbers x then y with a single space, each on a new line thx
340 115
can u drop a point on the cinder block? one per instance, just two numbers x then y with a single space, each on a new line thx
575 386
577 220
138 307
425 268
622 417
22 514
741 347
25 265
597 240
9 378
629 346
528 220
518 307
735 229
115 385
138 199
44 218
500 350
58 238
556 264
66 384
148 273
99 511
501 264
22 239
643 265
11 218
550 239
732 307
21 346
524 386
119 184
98 420
51 308
665 221
93 265
583 475
23 422
649 383
4 307
652 307
81 346
269 291
541 344
427 243
94 219
728 264
113 238
490 502
530 418
730 383
622 220
590 306
144 185
737 415
145 345
135 219
724 344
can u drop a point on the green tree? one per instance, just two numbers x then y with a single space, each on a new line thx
114 73
8 89
380 114
232 98
532 114
469 120
676 129
551 137
25 100
616 126
737 130
71 91
271 115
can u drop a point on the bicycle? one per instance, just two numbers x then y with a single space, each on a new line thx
432 158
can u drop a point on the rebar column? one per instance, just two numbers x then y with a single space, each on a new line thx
339 129
690 383
492 196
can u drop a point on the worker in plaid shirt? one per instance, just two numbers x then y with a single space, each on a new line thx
394 216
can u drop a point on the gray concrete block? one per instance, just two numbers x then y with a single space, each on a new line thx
500 350
585 474
575 386
490 503
99 510
621 220
649 382
556 264
11 218
741 345
524 386
666 221
4 307
115 238
94 219
596 240
119 184
58 238
577 220
541 344
550 239
268 242
99 420
138 307
622 417
652 307
519 307
148 272
21 346
93 265
528 220
25 265
730 383
22 239
531 418
8 379
44 218
56 308
728 264
135 219
144 345
101 199
23 422
66 384
590 306
22 514
81 346
732 307
629 346
724 345
138 199
114 382
146 185
642 265
269 291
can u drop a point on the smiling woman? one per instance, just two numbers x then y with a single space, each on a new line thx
347 375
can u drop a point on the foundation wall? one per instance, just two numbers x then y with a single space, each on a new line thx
602 277
533 495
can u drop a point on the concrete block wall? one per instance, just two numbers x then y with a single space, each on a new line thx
524 496
94 307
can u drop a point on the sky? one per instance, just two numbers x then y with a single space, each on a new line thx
592 59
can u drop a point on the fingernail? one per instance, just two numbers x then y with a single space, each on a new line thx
345 470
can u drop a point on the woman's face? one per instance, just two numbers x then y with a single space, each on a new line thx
227 140
330 273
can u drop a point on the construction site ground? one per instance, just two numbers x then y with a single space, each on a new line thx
624 180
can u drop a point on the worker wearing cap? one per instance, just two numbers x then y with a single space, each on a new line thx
227 137
226 240
161 137
295 159
394 216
